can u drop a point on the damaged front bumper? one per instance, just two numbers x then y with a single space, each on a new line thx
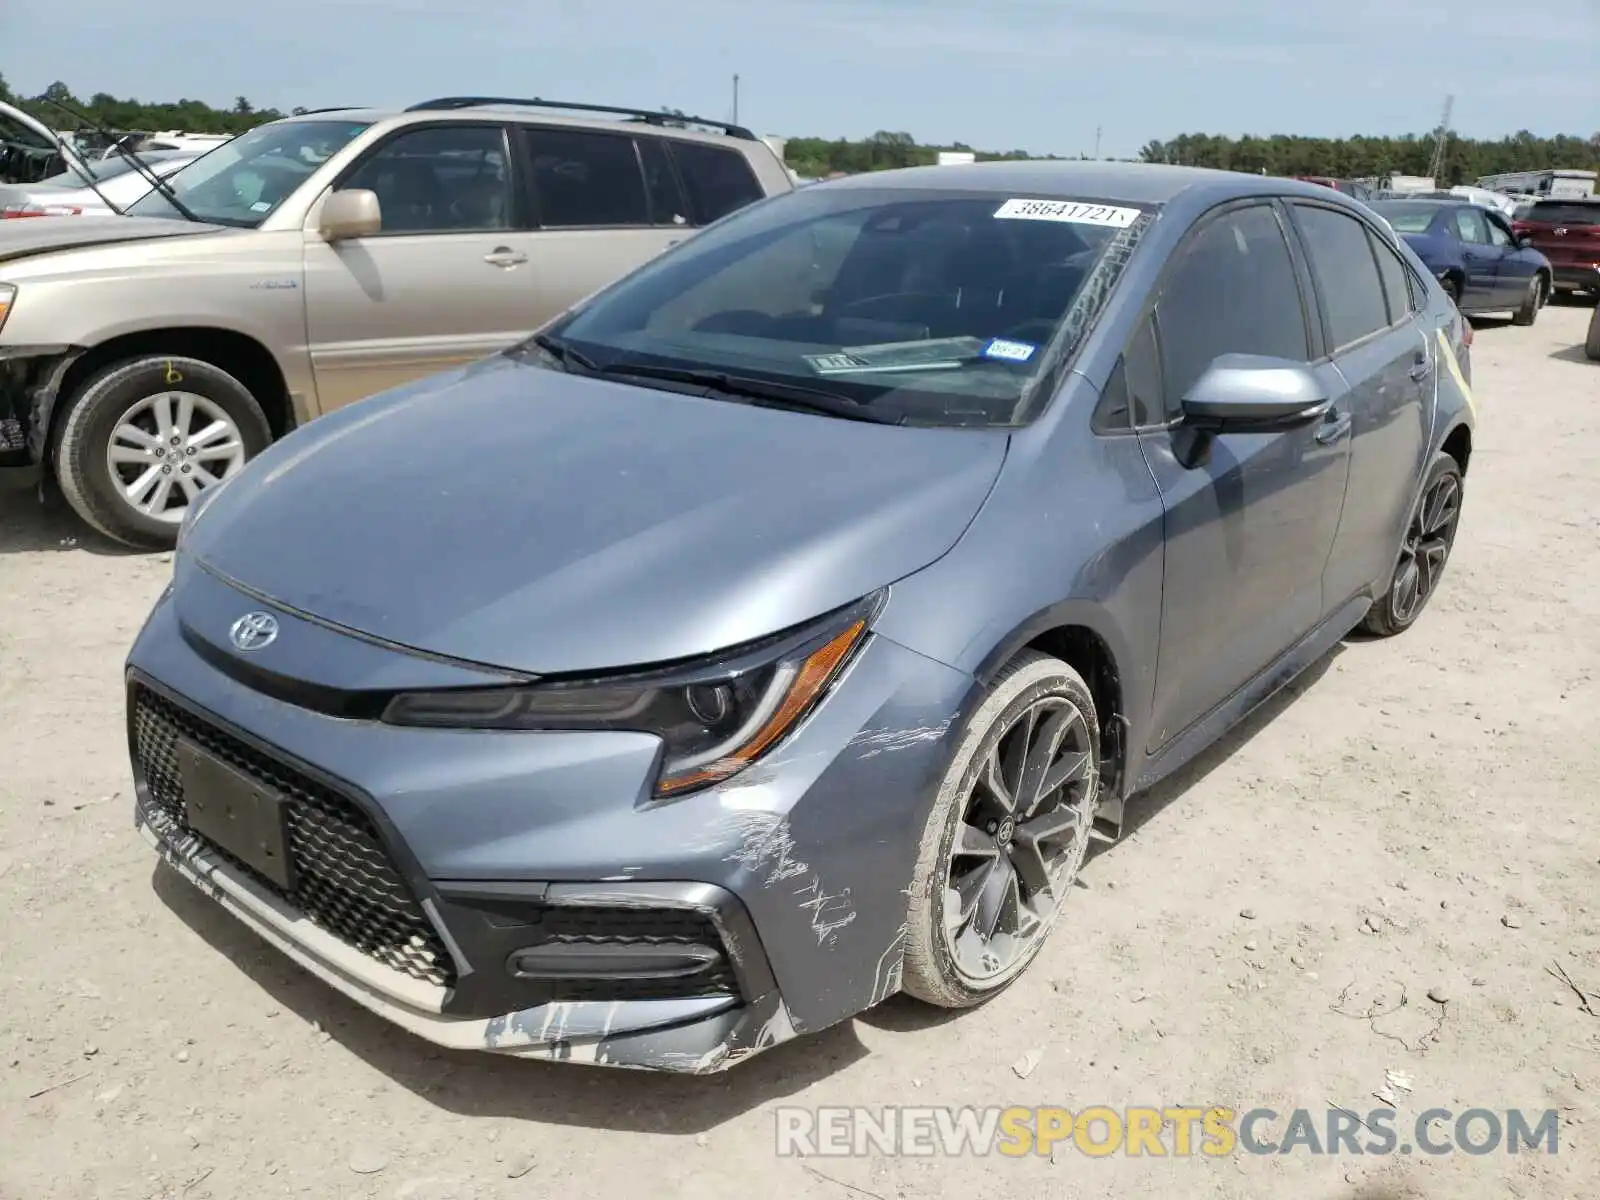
688 1035
30 381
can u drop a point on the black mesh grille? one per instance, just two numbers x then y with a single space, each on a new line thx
345 881
586 925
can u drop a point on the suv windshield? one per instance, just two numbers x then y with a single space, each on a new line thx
243 181
1565 212
923 306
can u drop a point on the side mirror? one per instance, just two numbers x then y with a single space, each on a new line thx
1523 240
351 213
1250 393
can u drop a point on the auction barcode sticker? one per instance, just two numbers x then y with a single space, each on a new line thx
1066 210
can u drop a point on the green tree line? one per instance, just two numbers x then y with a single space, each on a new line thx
1466 159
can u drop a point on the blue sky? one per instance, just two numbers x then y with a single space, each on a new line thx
998 74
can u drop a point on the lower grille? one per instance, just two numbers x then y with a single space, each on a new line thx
597 926
345 881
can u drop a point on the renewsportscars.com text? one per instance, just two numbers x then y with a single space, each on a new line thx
1158 1131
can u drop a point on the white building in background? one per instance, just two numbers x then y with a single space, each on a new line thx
956 158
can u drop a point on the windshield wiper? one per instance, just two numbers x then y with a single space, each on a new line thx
134 160
760 391
563 352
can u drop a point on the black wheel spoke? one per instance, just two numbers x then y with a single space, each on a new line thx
972 842
1069 768
993 780
1014 762
998 902
1041 756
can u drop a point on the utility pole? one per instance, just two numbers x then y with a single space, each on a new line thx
1097 143
735 99
1436 167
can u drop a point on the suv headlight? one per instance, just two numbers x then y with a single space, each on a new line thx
714 718
8 297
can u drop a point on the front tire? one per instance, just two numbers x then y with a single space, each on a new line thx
1007 834
1532 302
140 439
1430 536
1591 343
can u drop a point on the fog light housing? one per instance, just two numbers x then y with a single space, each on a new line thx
558 961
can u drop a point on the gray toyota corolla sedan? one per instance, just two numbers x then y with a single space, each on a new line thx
774 631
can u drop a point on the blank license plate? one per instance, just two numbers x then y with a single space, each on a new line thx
240 815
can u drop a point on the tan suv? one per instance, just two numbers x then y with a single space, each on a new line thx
320 259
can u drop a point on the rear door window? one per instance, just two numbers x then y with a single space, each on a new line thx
586 180
1342 262
1398 288
719 181
1470 226
667 203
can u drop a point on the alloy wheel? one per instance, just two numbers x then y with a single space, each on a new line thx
1426 547
168 447
1024 830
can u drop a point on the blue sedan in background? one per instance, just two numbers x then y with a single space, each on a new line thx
1479 261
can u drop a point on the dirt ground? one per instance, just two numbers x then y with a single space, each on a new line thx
1417 815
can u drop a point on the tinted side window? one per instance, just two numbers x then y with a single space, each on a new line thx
1346 274
1396 281
719 181
1233 292
586 179
667 204
450 178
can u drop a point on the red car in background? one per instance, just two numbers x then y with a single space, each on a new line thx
1567 232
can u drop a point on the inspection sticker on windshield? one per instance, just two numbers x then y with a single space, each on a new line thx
1009 351
1065 210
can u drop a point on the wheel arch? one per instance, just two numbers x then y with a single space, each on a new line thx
1458 445
1082 636
240 355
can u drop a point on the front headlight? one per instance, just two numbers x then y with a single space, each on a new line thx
714 718
8 297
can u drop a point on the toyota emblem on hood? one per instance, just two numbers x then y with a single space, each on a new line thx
254 631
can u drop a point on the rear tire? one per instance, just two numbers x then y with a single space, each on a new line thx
1591 343
141 437
1424 552
1532 302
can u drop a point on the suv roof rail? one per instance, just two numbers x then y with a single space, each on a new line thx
306 112
636 114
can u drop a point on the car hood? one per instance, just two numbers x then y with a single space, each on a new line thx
45 235
510 515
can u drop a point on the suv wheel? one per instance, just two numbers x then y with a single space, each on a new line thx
140 439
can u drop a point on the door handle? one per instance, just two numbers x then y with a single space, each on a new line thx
1334 427
505 256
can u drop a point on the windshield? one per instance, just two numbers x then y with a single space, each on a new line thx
1567 213
1404 217
243 181
931 307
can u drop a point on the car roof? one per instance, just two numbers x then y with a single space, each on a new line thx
527 114
1132 183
